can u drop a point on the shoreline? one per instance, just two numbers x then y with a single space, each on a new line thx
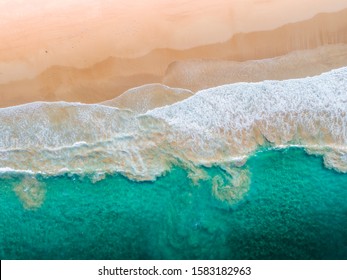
190 75
96 70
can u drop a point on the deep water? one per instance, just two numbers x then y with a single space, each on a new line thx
295 209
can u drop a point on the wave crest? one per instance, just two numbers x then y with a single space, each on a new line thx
231 121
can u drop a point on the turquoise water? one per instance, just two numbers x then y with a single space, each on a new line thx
295 209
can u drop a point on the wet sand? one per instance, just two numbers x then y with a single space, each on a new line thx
99 83
202 74
147 97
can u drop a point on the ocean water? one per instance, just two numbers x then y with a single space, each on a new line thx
295 209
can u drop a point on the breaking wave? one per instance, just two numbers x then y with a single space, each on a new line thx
232 121
219 126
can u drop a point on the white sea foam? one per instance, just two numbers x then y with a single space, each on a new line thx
235 119
11 170
216 126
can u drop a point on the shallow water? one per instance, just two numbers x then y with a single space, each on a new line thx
295 209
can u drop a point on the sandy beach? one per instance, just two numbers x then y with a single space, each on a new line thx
92 51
